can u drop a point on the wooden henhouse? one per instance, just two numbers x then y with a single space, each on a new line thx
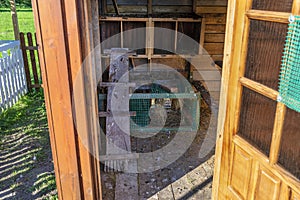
90 52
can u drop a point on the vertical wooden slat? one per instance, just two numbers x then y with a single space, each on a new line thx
95 74
194 6
57 81
14 19
13 60
150 9
44 74
17 73
2 74
222 155
277 133
4 81
116 7
202 36
149 38
80 45
296 7
25 59
176 37
8 81
104 7
22 73
122 34
38 59
32 59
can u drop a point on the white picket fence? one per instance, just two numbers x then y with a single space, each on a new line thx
12 74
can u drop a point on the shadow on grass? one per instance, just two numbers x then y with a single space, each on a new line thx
25 155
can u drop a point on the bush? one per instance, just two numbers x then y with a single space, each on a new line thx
19 3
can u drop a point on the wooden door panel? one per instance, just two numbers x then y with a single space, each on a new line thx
240 172
295 196
267 186
254 157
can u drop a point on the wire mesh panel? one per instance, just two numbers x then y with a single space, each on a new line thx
162 111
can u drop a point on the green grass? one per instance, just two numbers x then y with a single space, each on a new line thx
26 23
25 156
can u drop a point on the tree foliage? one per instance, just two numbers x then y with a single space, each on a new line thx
19 3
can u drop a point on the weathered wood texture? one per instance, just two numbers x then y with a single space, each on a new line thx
65 39
31 61
214 13
150 7
117 127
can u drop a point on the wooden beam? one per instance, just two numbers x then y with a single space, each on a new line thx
116 7
208 9
144 19
117 114
259 88
150 7
212 3
202 36
270 16
104 7
14 17
194 6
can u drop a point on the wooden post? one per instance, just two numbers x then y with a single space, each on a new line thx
25 59
194 6
14 17
116 7
33 61
150 9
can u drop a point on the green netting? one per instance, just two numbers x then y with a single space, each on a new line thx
141 107
289 87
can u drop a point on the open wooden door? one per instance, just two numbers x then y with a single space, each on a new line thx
258 148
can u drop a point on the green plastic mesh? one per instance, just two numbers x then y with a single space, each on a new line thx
142 106
289 87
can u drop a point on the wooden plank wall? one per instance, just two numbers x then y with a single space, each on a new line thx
213 11
158 6
214 14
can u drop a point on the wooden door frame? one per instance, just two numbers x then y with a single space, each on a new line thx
67 32
234 44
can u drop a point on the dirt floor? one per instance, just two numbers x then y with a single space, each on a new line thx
189 177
